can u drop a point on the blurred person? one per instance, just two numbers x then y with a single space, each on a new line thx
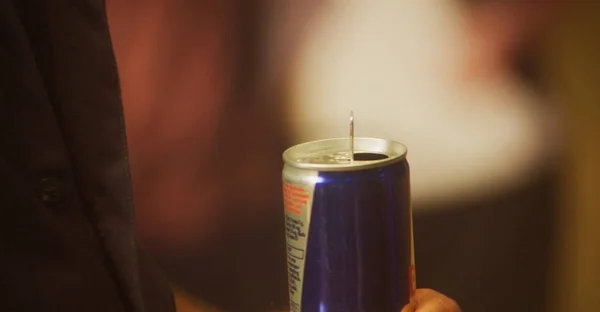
454 81
67 236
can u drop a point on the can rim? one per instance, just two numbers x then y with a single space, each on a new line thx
297 155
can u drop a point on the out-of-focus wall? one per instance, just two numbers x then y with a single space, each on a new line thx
572 57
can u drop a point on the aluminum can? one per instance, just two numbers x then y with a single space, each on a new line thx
348 222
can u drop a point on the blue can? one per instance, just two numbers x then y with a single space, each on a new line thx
348 226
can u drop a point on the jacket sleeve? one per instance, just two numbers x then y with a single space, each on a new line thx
54 257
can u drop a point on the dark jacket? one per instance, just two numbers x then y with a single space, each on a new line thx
66 230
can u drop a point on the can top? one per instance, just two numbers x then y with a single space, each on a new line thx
335 154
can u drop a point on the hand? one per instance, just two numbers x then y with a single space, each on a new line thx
428 300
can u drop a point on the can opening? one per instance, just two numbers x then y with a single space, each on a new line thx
334 154
369 156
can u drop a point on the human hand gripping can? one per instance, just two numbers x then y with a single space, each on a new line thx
348 226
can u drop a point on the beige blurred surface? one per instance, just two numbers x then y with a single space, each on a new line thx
572 56
400 66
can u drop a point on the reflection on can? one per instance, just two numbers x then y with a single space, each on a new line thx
348 226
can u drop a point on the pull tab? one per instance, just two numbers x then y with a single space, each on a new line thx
351 137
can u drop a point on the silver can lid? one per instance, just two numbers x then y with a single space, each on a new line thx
336 155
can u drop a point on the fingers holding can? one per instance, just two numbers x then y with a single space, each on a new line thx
429 300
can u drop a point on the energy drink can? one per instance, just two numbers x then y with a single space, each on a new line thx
348 226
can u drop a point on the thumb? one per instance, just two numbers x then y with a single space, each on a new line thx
428 300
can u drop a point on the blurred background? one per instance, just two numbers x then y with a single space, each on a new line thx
497 101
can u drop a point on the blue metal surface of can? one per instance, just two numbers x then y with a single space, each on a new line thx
348 226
